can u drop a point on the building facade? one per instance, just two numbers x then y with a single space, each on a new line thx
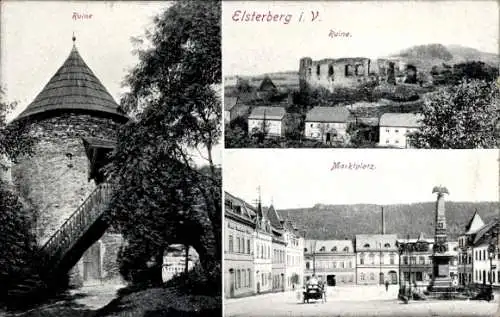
333 261
377 259
328 124
395 128
294 268
466 254
176 261
267 119
239 247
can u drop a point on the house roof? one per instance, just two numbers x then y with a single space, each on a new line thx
274 217
485 231
409 120
230 102
334 246
370 242
245 211
270 113
328 114
73 87
267 84
475 223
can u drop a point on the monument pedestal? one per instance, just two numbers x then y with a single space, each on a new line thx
441 280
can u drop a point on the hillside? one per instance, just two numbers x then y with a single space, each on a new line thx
426 56
345 221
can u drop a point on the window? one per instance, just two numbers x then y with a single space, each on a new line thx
386 141
405 260
248 246
346 249
322 249
307 265
372 276
419 276
349 70
318 70
238 278
330 71
312 125
334 249
238 245
362 276
397 141
305 249
387 130
230 243
421 260
396 130
413 260
372 258
391 259
387 245
366 245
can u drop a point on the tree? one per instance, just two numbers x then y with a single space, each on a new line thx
162 196
462 116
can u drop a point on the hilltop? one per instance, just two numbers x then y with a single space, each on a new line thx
426 56
345 221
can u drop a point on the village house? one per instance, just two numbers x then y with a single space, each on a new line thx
333 261
263 262
233 108
269 120
465 265
175 261
294 268
239 246
328 124
395 127
486 258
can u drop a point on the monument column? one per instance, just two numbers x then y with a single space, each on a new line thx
441 279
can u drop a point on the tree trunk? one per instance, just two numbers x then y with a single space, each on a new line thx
186 260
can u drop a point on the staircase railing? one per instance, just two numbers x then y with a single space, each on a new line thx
79 222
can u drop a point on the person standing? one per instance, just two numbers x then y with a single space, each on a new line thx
386 285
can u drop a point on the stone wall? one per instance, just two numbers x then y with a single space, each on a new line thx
55 179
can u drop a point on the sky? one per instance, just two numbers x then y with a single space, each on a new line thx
377 28
36 39
297 178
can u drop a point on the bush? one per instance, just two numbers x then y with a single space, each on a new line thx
197 281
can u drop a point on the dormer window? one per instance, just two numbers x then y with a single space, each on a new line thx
387 245
334 249
322 249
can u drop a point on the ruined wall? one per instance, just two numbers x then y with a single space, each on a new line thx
330 73
55 179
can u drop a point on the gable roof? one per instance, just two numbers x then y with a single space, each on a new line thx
73 87
483 233
267 84
328 114
270 113
410 120
230 102
475 223
274 217
245 212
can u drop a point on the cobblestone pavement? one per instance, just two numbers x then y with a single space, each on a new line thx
354 301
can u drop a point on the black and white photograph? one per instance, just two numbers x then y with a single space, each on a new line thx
110 158
361 74
361 233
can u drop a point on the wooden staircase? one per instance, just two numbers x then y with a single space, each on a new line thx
82 229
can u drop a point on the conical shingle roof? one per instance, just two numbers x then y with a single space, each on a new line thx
73 87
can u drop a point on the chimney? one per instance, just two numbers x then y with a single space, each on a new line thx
383 221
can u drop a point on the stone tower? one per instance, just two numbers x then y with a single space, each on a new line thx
75 120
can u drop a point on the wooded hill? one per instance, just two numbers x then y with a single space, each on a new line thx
345 221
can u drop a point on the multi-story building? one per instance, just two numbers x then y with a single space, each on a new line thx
395 128
376 258
176 261
293 255
294 268
333 261
465 265
486 258
239 247
416 260
269 120
263 262
327 124
279 257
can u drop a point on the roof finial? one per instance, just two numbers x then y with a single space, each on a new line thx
74 38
